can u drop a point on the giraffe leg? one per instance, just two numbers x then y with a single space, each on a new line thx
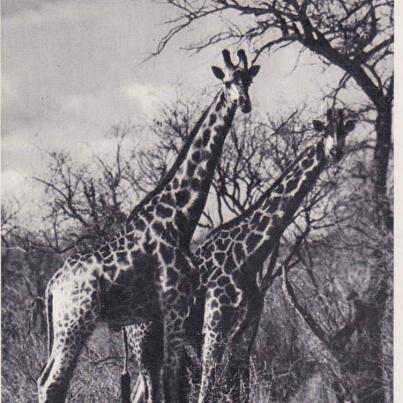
238 374
55 379
70 329
145 340
213 352
177 302
190 388
237 379
174 376
139 391
219 324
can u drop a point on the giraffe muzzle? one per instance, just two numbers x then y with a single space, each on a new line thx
245 105
336 154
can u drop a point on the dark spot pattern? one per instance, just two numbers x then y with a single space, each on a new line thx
182 197
122 257
256 217
195 184
274 204
292 185
196 157
201 172
98 257
108 259
166 253
235 232
239 253
163 211
180 220
230 290
150 247
222 281
279 189
167 199
219 257
264 222
251 241
226 244
206 137
158 228
140 225
224 300
214 304
172 276
306 163
111 269
190 169
217 292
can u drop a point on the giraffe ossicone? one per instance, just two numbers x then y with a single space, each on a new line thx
144 276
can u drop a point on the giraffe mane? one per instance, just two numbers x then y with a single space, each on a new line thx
266 194
172 171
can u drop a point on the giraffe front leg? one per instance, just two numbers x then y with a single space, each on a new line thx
237 379
220 324
176 385
145 340
175 375
213 351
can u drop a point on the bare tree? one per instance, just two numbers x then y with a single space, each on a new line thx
84 201
357 37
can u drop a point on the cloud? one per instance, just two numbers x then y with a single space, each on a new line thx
33 12
11 180
149 97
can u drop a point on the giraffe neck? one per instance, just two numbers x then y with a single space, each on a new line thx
254 233
183 193
274 211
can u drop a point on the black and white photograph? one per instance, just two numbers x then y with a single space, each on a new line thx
197 201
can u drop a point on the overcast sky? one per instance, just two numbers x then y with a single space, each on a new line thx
71 69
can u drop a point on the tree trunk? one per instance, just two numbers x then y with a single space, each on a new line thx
370 347
383 127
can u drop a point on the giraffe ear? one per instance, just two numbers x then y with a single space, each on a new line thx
254 70
218 72
349 126
318 125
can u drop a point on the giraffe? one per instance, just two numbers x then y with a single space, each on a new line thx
230 257
228 303
143 276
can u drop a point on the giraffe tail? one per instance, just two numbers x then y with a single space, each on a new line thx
125 376
48 366
49 319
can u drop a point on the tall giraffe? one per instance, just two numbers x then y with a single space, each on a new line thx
231 256
144 275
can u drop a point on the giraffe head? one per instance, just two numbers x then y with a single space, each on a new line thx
237 79
334 133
